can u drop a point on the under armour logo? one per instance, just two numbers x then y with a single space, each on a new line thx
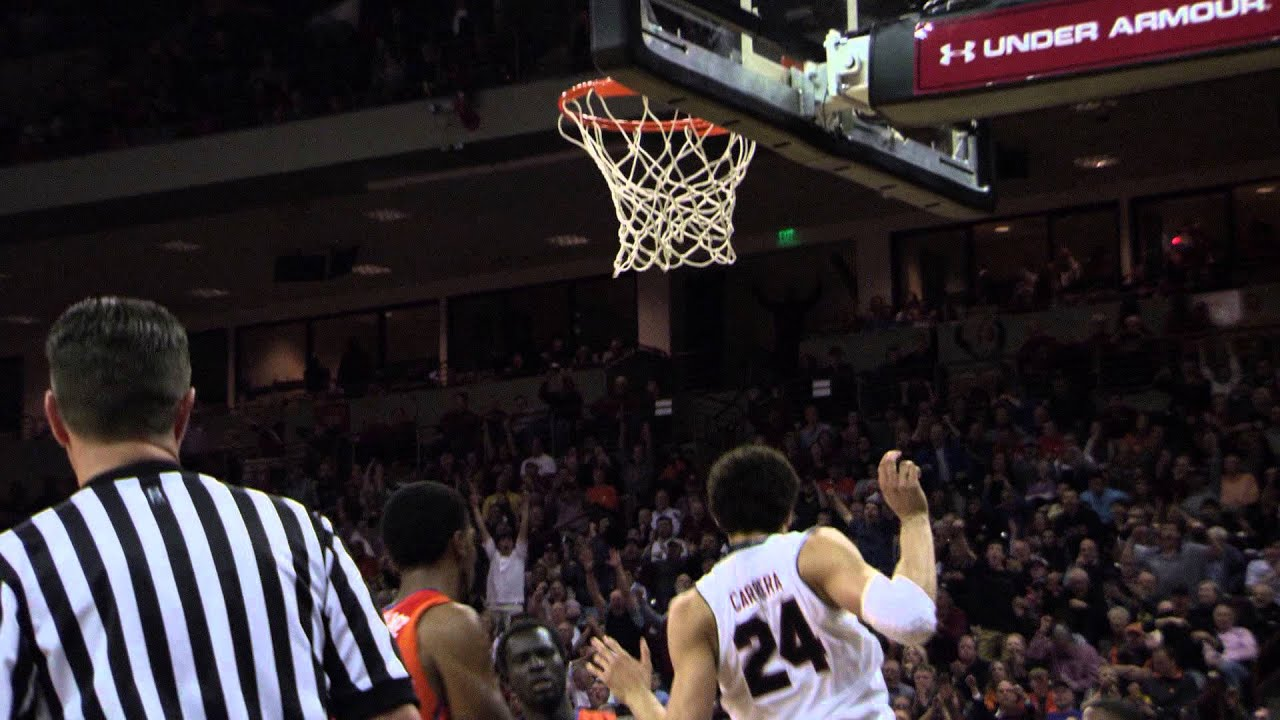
967 53
923 29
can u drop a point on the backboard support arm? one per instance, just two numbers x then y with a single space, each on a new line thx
788 113
740 19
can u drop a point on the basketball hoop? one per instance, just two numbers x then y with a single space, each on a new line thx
675 199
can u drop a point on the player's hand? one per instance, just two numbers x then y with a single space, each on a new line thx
626 676
900 487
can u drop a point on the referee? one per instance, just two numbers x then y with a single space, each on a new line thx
154 592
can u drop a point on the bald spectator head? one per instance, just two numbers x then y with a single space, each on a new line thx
1118 618
1077 581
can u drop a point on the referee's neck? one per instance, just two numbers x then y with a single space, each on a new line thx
89 459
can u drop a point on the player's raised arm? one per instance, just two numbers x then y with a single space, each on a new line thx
486 540
900 486
902 607
522 535
691 639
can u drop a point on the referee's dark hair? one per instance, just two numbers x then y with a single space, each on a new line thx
118 368
521 625
418 522
752 489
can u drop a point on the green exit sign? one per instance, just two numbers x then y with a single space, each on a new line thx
787 237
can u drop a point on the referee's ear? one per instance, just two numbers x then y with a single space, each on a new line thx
56 425
182 418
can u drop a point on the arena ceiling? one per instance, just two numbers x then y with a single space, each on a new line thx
475 217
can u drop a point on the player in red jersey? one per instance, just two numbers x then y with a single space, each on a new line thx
429 537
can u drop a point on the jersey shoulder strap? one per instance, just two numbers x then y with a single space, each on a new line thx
402 620
585 714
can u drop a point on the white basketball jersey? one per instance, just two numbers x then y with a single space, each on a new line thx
784 653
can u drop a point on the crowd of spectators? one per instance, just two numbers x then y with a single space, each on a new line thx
121 76
1085 549
1091 543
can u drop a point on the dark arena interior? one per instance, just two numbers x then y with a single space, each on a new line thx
393 269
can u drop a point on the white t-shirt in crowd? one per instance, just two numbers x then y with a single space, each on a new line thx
1260 572
672 514
546 464
506 574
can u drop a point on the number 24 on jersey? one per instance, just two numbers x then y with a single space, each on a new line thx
796 644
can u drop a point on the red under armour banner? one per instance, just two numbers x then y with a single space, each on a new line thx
1049 39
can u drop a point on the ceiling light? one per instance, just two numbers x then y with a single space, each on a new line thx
1002 229
1264 190
371 270
1096 162
179 246
209 293
566 241
19 320
386 215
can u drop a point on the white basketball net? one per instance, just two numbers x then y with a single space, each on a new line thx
675 200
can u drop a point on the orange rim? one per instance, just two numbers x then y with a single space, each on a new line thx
608 88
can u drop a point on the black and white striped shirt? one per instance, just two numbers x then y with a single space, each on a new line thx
155 592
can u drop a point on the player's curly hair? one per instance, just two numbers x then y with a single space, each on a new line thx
752 488
418 522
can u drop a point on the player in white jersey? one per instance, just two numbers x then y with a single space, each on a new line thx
780 624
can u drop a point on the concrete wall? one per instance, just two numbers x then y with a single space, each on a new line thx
424 407
302 145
